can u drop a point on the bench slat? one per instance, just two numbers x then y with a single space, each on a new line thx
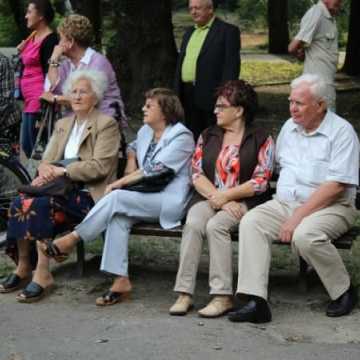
147 229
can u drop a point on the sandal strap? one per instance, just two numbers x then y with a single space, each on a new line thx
11 281
111 296
33 289
53 251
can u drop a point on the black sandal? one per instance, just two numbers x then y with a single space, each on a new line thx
111 298
49 249
33 292
11 283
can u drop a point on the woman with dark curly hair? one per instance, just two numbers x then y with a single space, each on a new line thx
231 169
74 53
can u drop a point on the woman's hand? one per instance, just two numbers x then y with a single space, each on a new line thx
48 96
57 53
118 184
234 208
218 199
48 172
38 181
20 47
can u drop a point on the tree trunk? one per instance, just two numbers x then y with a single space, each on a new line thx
143 49
18 10
352 60
278 26
94 13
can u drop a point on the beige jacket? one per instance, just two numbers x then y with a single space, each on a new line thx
98 151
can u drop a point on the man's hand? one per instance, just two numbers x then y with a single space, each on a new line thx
300 54
234 208
218 199
288 227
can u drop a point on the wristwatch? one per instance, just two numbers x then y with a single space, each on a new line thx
53 63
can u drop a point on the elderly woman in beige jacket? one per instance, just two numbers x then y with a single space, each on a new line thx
88 144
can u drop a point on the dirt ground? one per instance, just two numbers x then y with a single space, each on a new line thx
67 324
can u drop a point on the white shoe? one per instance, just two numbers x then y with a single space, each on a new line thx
182 305
218 306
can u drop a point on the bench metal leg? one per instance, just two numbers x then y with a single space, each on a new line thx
303 281
80 257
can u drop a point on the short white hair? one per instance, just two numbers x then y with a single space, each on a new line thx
317 85
97 80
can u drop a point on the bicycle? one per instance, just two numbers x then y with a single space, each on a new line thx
12 172
12 175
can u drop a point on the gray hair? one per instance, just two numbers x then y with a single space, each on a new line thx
97 79
317 86
209 3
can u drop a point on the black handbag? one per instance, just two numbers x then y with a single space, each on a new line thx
152 182
61 186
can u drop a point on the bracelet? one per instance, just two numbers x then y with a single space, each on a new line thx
53 63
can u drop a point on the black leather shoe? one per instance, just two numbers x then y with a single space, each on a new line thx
255 311
343 304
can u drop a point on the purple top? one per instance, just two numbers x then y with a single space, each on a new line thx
95 61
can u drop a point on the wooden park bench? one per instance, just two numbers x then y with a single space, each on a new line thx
155 230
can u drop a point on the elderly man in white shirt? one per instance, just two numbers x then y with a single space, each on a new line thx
318 157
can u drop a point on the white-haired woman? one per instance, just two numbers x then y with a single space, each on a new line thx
91 139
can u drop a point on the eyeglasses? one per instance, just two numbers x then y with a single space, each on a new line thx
222 107
80 93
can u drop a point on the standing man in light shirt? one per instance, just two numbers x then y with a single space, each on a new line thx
209 55
318 156
317 43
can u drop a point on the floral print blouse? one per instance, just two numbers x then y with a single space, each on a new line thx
228 167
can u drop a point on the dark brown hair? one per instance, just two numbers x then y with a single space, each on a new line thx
169 103
240 93
44 8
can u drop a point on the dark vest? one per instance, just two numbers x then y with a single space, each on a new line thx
250 145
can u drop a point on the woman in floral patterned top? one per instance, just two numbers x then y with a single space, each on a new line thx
232 166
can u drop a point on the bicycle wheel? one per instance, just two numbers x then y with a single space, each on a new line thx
10 179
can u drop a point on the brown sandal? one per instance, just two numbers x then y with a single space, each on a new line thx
49 249
112 297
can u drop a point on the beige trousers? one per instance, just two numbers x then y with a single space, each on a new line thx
204 222
311 240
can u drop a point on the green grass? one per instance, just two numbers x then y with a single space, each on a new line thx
264 72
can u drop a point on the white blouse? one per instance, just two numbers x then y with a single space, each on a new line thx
73 143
